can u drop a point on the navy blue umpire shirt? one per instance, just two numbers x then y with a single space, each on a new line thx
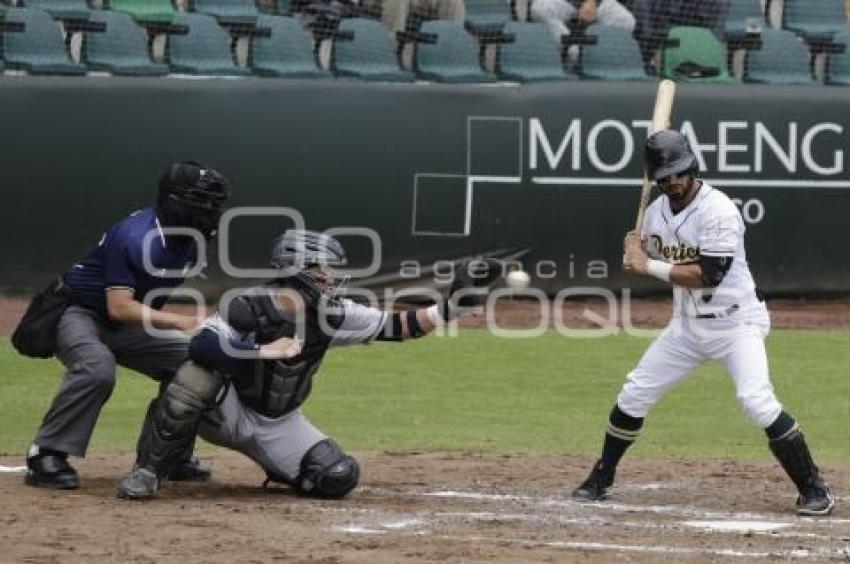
118 262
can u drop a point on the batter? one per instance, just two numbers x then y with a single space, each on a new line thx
693 239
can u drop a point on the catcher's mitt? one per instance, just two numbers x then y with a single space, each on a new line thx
469 275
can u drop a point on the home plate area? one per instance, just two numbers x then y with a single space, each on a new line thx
539 522
430 507
669 510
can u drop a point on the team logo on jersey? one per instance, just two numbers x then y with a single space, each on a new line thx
676 254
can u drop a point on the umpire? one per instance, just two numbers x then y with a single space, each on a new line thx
104 325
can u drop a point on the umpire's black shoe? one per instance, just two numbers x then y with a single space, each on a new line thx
815 499
596 487
50 469
189 471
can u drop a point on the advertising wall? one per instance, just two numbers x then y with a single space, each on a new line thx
436 171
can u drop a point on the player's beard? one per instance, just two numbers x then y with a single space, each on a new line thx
680 193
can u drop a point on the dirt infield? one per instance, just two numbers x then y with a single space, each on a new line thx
435 507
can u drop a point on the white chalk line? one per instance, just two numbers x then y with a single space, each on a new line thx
772 529
617 547
12 469
745 527
655 549
358 529
672 510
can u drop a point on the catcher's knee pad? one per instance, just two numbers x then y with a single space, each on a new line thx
198 381
327 472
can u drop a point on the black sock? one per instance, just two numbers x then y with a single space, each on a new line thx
48 452
781 426
622 431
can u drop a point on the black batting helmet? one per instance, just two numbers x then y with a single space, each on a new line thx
667 152
193 195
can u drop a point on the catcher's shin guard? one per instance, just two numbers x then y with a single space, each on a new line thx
793 454
186 468
173 420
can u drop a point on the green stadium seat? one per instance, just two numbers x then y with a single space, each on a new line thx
228 11
741 14
204 50
288 51
161 11
816 20
121 49
698 50
40 48
838 65
453 57
367 53
782 59
61 9
532 56
483 16
614 56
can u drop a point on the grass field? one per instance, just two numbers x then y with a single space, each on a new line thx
482 393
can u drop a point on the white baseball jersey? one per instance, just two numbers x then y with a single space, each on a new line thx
710 225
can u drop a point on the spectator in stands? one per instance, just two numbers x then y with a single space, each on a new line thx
560 15
653 18
324 14
397 12
557 14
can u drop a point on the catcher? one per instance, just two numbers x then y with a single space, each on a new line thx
252 366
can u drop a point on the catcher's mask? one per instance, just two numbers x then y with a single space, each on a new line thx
309 257
668 153
192 195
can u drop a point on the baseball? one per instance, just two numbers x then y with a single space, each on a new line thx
518 279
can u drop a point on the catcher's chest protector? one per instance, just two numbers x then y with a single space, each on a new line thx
277 387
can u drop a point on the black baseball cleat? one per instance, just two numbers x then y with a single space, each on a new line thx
50 469
189 470
815 499
141 483
596 487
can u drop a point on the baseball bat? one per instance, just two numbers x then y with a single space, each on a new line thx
660 120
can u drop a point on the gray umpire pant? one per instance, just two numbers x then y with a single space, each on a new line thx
90 349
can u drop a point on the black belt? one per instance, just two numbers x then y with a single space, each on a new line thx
729 310
719 314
